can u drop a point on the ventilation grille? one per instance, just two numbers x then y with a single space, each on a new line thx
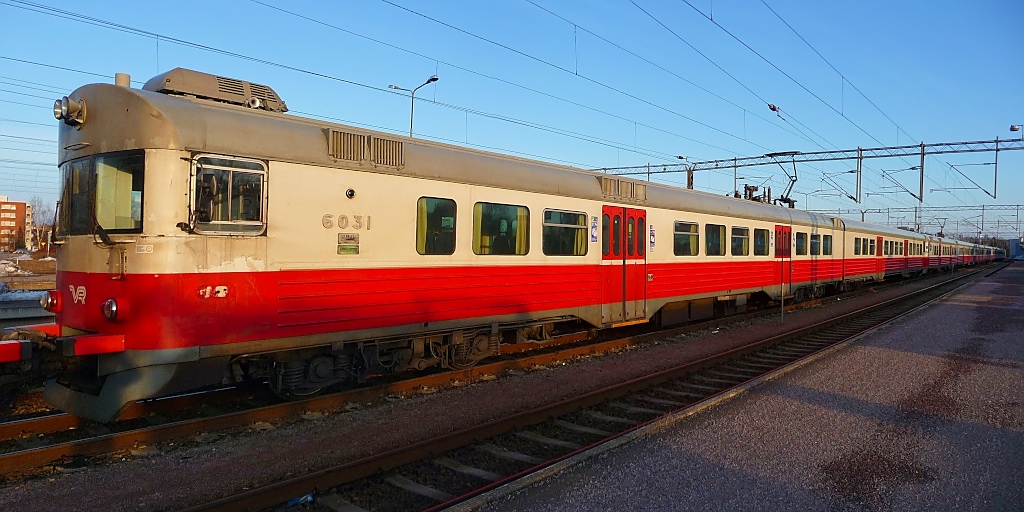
262 92
347 146
623 189
388 152
360 148
230 86
185 82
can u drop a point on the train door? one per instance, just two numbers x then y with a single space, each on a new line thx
623 265
906 254
880 257
783 248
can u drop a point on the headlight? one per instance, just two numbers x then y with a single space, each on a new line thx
110 309
51 301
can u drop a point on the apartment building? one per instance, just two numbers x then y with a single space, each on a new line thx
12 225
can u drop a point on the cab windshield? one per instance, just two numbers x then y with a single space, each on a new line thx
102 191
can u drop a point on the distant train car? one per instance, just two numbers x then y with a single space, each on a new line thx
207 237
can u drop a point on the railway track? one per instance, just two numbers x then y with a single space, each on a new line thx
35 440
38 440
470 467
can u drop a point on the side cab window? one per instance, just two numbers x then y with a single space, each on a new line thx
229 196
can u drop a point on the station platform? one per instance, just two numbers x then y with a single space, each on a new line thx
922 414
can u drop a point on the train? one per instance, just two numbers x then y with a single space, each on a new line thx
208 237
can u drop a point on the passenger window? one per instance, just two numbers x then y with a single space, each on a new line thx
864 247
606 232
740 241
715 239
500 229
760 242
856 246
229 196
801 244
640 237
630 236
616 235
826 245
815 245
564 233
871 247
685 239
435 226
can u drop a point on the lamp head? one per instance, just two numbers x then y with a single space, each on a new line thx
434 78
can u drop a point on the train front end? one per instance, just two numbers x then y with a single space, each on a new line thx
116 337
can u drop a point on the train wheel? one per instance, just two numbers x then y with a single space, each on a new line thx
289 381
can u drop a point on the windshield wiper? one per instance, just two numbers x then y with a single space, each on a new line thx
103 234
97 229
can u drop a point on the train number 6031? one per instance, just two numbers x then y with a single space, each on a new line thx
358 221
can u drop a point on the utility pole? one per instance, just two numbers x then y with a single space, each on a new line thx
920 194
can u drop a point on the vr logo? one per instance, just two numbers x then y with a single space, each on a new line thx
77 294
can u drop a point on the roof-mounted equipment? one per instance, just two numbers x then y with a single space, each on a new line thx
185 82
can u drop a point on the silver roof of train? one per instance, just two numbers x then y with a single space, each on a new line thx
122 118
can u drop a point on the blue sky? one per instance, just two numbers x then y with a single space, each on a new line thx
586 83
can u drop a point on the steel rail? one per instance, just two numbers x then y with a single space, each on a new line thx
52 422
322 480
34 457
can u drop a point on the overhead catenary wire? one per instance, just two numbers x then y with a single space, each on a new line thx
572 72
41 9
623 147
664 69
726 72
106 24
784 73
847 81
491 77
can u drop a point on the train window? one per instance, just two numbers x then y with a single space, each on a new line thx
229 195
801 244
760 242
871 248
640 238
616 235
501 229
435 226
815 245
686 240
740 241
856 246
564 233
630 236
606 234
714 239
826 245
864 247
102 191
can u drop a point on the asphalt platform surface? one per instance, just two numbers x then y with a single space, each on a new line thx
922 414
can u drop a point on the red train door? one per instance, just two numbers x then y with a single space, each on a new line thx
880 259
906 254
623 264
783 246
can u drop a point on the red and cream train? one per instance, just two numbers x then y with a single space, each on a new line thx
206 236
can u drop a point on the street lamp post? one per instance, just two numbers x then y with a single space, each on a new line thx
1017 128
412 98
